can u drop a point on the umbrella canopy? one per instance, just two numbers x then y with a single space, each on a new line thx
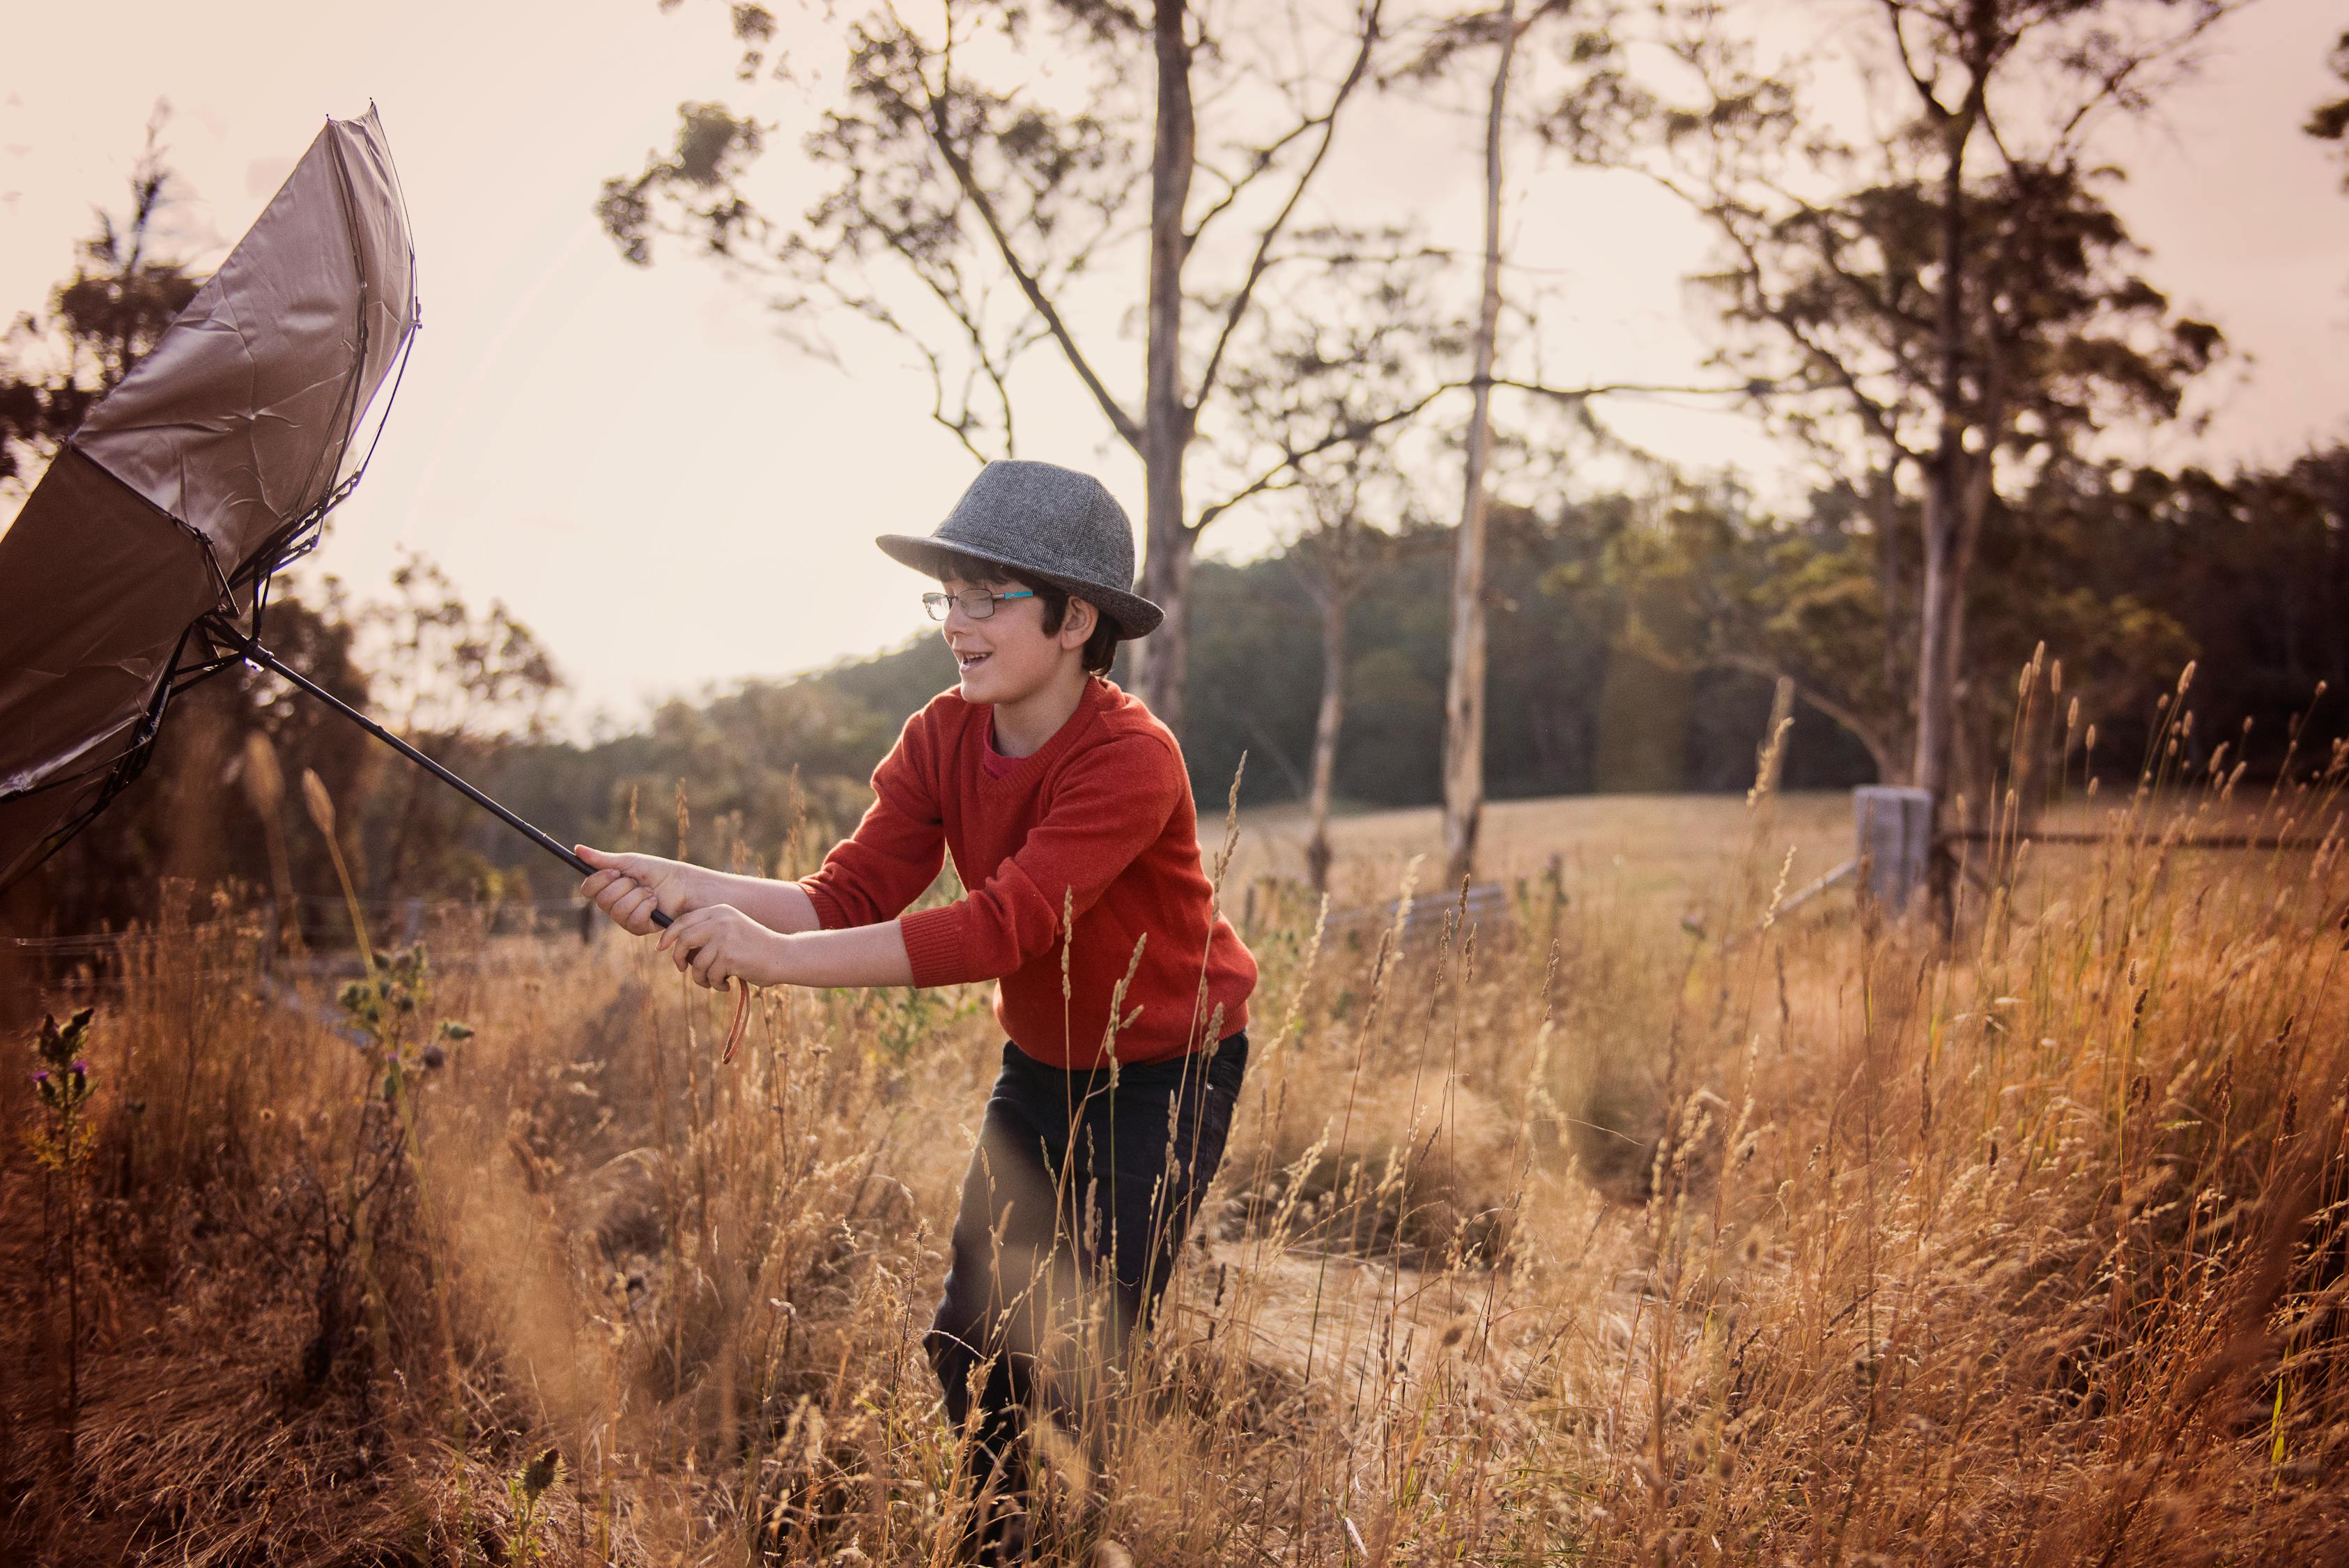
141 561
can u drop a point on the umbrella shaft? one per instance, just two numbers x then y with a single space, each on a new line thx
262 656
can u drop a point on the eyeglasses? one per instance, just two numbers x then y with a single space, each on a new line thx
978 604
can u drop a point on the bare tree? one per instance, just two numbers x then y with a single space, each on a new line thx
1463 692
978 215
1325 410
1452 40
1353 506
1950 296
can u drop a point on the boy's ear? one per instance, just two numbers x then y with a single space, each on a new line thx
1077 624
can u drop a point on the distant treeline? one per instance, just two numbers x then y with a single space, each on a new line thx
1636 645
1634 648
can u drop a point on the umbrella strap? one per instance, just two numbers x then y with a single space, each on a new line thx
252 651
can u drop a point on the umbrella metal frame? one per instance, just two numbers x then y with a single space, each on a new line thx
214 641
261 658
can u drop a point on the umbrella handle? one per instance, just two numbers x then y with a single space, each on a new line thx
255 653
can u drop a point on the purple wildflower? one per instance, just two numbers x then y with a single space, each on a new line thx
41 1076
81 1068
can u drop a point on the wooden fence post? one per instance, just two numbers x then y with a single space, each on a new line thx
1894 829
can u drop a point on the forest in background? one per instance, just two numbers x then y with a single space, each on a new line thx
1623 659
1676 1220
1620 634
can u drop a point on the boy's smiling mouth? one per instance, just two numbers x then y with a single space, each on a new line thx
969 659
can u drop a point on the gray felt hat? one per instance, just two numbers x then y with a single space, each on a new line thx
1050 522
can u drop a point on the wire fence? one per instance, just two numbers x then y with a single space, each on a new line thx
322 920
2151 837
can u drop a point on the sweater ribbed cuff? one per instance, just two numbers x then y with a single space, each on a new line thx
829 915
933 945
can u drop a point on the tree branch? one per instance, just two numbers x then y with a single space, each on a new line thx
1859 729
1260 160
1894 16
1610 389
1872 413
1328 121
2112 83
934 124
1291 459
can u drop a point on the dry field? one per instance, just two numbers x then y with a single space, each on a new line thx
1643 1224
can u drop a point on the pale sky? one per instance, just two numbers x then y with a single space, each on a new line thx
671 497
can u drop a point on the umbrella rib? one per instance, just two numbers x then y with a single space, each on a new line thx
363 198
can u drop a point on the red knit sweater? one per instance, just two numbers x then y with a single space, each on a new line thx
1103 816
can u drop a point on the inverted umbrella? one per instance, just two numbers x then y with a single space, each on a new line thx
141 563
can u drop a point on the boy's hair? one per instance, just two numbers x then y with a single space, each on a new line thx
1099 649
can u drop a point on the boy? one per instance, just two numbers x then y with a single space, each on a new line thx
1056 793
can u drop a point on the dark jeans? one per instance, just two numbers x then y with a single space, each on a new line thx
1073 1213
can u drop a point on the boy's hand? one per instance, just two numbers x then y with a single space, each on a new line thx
721 942
629 888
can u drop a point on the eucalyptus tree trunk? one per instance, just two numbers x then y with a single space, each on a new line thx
1942 591
1166 415
1464 698
1938 597
1884 508
1326 726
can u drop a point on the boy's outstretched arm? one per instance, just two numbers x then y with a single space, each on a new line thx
718 941
629 888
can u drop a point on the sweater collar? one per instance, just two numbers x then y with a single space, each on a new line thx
1098 694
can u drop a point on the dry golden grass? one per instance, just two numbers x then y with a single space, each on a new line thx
1664 847
1650 1228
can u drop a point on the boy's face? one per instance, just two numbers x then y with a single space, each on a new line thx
1008 656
